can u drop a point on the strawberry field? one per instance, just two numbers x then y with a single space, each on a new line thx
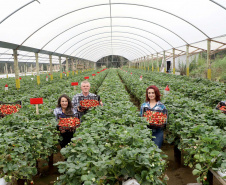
112 143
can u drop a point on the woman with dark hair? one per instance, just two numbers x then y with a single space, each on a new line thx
153 102
64 107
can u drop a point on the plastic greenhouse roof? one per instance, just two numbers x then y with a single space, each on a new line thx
92 29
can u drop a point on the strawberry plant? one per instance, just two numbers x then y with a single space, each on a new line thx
112 143
27 137
198 130
197 89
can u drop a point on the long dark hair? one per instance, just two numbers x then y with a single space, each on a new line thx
69 107
157 93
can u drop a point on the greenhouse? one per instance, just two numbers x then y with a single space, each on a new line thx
113 92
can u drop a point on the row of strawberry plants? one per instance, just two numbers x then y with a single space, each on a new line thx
180 103
27 137
208 93
28 85
203 144
112 144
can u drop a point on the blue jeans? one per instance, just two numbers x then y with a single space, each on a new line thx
158 133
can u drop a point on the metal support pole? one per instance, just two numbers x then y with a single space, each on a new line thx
208 59
187 59
173 60
16 69
37 68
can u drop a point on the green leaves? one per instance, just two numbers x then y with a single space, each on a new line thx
214 153
30 137
198 166
196 172
198 130
113 142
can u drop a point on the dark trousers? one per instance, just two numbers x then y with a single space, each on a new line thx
66 138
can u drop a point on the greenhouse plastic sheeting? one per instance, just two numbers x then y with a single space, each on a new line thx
92 29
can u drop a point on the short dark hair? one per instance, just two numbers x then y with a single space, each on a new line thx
69 107
157 93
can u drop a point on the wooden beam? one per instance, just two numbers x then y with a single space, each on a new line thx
218 42
180 50
216 51
223 182
197 48
193 52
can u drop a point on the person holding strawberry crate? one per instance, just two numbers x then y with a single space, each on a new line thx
65 108
156 114
222 106
85 100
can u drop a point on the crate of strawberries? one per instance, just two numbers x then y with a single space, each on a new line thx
89 102
68 123
9 108
222 106
156 118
